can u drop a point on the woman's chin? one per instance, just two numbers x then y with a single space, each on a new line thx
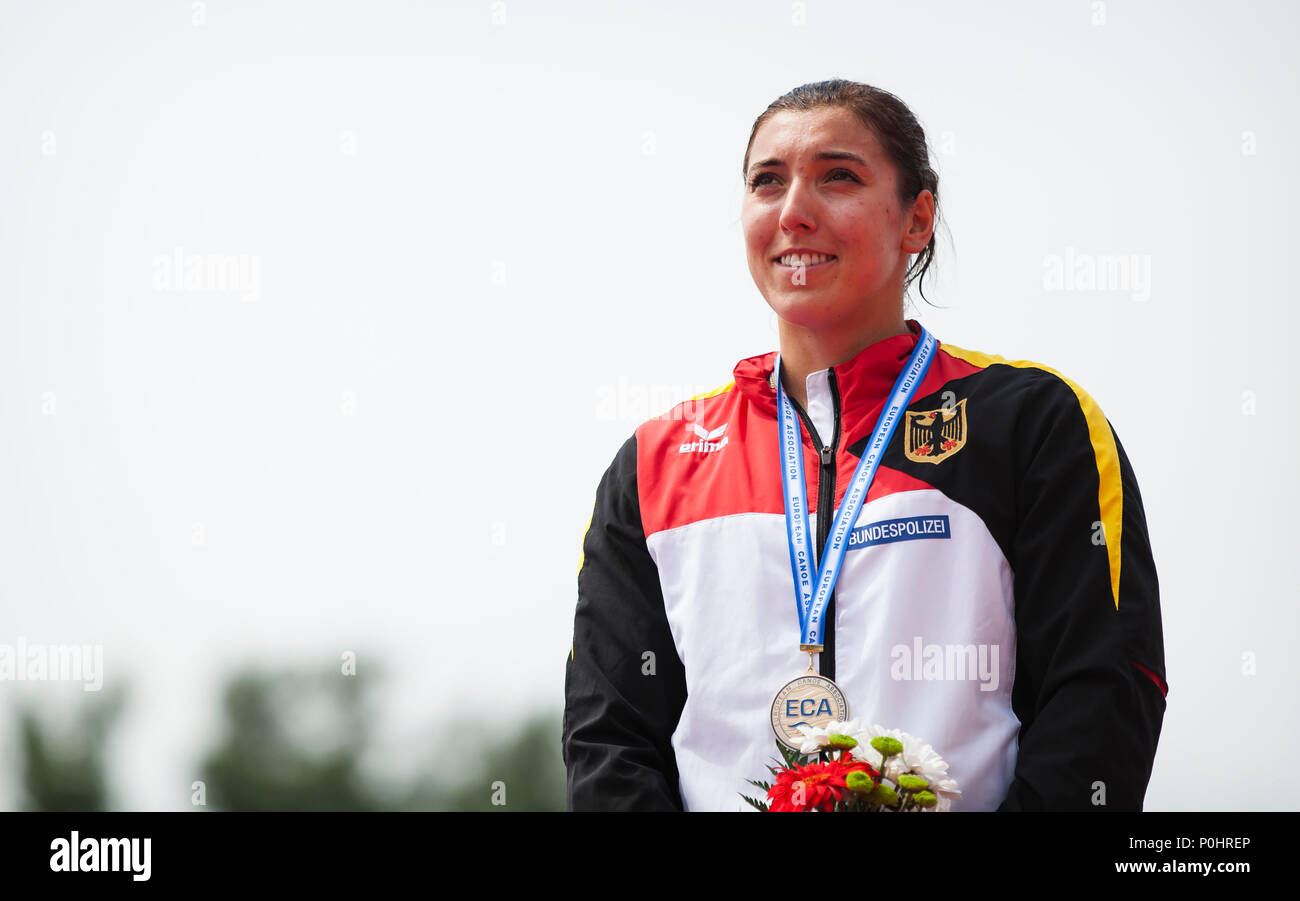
804 312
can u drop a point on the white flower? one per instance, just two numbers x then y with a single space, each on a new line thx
817 737
918 758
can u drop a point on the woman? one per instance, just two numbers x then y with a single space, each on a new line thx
988 585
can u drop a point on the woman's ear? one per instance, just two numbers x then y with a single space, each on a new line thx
920 224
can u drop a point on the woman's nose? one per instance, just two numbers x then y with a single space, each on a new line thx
797 210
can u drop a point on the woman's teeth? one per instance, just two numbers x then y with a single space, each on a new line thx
805 259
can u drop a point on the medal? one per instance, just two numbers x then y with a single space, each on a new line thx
811 699
807 700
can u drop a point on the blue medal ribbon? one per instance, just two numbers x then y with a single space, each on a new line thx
810 603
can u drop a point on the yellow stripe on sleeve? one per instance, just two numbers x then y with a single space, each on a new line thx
582 548
1110 490
582 556
721 389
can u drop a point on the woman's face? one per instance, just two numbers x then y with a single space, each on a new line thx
845 206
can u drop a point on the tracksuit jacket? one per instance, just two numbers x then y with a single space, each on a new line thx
997 599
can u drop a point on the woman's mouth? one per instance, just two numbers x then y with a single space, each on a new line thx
804 261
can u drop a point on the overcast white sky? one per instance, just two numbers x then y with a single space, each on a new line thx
477 236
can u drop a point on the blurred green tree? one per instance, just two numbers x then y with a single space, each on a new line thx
297 741
292 741
518 771
62 766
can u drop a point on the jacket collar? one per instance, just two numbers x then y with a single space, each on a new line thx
864 380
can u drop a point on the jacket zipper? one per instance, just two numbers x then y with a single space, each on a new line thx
825 513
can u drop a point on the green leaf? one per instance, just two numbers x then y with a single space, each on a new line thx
792 758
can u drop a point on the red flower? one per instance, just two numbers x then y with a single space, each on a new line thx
817 786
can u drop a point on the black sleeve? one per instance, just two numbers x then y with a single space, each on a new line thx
624 685
1090 674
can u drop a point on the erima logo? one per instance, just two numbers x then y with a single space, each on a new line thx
707 442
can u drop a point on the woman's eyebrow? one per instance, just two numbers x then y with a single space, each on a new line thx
824 155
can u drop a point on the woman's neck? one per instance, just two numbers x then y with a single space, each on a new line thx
805 351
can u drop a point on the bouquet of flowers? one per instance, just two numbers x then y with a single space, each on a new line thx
844 766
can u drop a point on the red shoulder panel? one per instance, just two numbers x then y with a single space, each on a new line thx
718 456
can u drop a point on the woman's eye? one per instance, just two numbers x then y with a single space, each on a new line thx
759 180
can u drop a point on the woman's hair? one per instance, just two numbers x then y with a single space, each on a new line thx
894 126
